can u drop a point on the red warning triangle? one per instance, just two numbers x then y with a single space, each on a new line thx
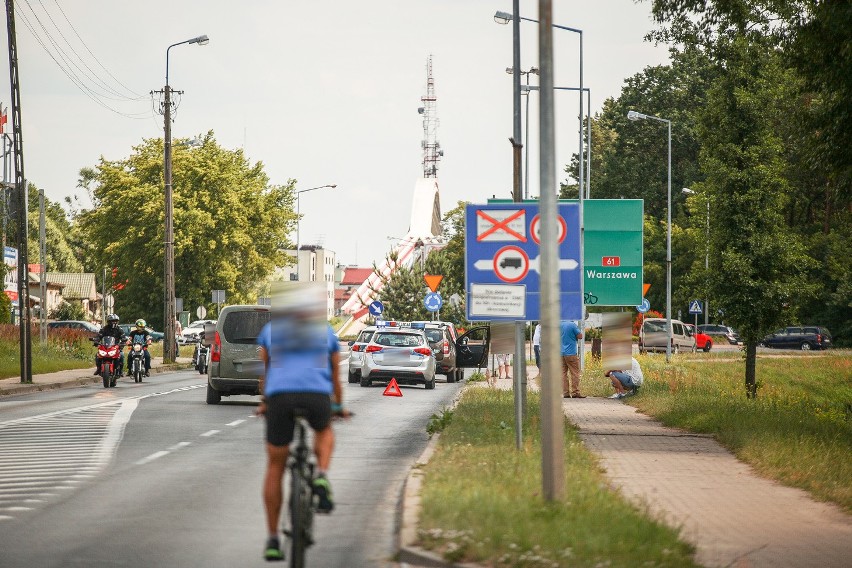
392 389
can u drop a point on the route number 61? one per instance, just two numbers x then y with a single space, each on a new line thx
611 261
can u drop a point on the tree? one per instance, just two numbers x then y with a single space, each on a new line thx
230 225
61 255
68 311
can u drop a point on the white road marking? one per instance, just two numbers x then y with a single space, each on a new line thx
235 423
152 457
209 433
178 446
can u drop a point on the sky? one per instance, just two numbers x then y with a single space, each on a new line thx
323 92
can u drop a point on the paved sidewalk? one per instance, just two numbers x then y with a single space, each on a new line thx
76 377
733 516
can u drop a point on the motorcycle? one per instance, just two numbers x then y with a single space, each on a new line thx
136 360
200 358
109 352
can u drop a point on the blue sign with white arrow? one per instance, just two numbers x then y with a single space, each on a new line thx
433 301
695 307
376 308
503 261
644 306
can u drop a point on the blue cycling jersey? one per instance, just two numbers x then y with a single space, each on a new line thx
298 356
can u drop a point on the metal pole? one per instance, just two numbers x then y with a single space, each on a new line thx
298 242
527 146
669 252
582 349
707 260
552 419
42 283
589 142
169 269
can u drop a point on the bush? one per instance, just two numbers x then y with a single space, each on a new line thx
68 311
5 309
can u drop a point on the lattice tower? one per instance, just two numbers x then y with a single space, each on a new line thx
431 147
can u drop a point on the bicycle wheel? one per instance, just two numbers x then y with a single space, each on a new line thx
301 516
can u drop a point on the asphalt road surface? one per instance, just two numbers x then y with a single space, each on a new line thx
150 475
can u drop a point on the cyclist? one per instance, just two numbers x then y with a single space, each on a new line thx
141 335
301 358
111 329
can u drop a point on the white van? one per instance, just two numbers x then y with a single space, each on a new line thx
653 336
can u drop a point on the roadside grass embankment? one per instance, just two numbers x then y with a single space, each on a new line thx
482 499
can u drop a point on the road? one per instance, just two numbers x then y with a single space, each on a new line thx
150 475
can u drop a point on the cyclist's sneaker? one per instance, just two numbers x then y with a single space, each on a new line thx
272 552
322 489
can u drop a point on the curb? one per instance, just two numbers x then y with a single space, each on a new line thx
26 388
409 511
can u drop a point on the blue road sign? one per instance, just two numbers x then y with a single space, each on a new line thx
433 301
644 306
376 308
503 261
695 307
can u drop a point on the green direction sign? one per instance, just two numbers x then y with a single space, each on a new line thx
613 245
612 256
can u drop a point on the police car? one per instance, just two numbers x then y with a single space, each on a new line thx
398 351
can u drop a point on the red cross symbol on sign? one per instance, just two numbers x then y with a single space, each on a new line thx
500 229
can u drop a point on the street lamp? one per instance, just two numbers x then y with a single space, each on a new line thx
526 141
633 115
169 346
298 220
688 191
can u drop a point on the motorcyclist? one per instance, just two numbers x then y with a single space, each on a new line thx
140 335
111 329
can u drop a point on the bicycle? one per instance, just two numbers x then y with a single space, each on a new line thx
302 499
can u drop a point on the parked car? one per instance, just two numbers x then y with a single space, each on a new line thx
442 339
653 336
235 366
190 333
156 336
471 351
400 353
356 352
702 340
77 325
715 329
804 338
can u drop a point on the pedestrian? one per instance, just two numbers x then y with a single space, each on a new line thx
301 356
626 382
178 335
504 361
536 342
570 333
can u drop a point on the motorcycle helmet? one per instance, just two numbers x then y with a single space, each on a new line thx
112 318
140 324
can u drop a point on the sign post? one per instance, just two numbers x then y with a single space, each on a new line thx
696 308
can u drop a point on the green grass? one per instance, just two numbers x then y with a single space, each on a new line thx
482 499
797 431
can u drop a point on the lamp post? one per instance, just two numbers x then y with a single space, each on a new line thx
633 115
688 191
298 222
526 141
169 346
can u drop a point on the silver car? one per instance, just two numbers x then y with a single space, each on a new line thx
400 353
356 352
235 364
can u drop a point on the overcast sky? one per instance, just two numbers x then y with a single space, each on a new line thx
325 92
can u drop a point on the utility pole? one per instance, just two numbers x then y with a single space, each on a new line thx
21 190
42 276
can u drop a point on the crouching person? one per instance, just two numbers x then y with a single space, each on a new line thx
626 382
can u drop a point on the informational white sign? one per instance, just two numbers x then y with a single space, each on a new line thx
496 300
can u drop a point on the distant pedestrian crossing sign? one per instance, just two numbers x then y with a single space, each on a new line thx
695 307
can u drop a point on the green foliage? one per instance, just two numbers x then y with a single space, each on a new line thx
68 311
439 421
65 349
5 309
230 225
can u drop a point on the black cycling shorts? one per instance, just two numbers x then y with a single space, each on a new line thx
280 414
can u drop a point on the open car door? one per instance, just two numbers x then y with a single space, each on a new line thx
472 348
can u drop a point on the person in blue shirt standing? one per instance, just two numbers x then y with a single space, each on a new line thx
301 356
570 333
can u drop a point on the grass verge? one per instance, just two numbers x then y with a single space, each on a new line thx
482 499
64 349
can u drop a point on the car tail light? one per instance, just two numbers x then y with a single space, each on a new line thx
373 348
446 347
819 338
422 351
356 348
217 348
